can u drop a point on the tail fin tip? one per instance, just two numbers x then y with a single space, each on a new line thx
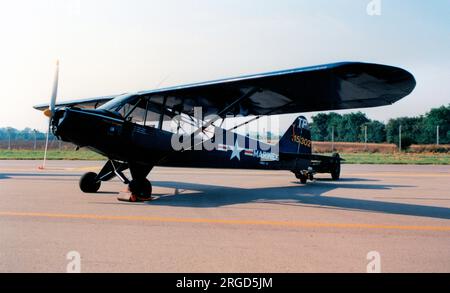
297 138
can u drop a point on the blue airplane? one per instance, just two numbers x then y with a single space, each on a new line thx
129 129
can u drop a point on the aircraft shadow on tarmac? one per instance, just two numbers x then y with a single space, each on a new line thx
311 195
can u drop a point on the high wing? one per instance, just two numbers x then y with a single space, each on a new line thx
83 103
337 86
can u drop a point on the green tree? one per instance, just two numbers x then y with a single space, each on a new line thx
334 120
411 130
350 127
322 126
436 117
376 132
318 127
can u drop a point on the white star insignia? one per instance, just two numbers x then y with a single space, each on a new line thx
236 152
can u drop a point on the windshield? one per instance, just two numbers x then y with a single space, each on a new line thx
117 103
136 109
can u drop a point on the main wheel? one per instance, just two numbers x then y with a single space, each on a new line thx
89 183
141 189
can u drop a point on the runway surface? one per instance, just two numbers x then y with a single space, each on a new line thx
226 221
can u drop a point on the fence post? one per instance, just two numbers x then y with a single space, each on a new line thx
332 139
34 145
9 139
365 137
437 135
400 138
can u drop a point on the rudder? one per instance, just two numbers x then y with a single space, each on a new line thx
297 139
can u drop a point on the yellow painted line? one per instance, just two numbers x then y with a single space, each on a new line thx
291 224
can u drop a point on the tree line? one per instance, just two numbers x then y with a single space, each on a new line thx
352 128
7 133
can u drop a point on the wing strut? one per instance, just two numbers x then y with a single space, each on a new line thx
260 116
247 95
161 117
224 111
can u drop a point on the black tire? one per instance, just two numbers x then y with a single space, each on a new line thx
336 173
141 189
89 184
304 179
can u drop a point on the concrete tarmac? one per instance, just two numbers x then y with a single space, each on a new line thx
226 221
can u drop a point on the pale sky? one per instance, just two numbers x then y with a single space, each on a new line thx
116 46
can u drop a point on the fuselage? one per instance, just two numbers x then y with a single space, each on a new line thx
111 135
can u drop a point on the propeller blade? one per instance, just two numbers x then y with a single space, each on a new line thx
50 112
55 90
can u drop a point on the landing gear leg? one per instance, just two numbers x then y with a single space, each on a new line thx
91 182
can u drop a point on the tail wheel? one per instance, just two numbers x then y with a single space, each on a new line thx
141 189
89 183
336 172
302 177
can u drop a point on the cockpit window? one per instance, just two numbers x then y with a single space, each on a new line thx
146 110
135 111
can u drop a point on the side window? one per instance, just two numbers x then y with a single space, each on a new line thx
134 110
146 111
152 119
143 112
138 116
153 116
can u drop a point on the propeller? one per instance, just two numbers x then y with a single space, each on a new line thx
50 112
